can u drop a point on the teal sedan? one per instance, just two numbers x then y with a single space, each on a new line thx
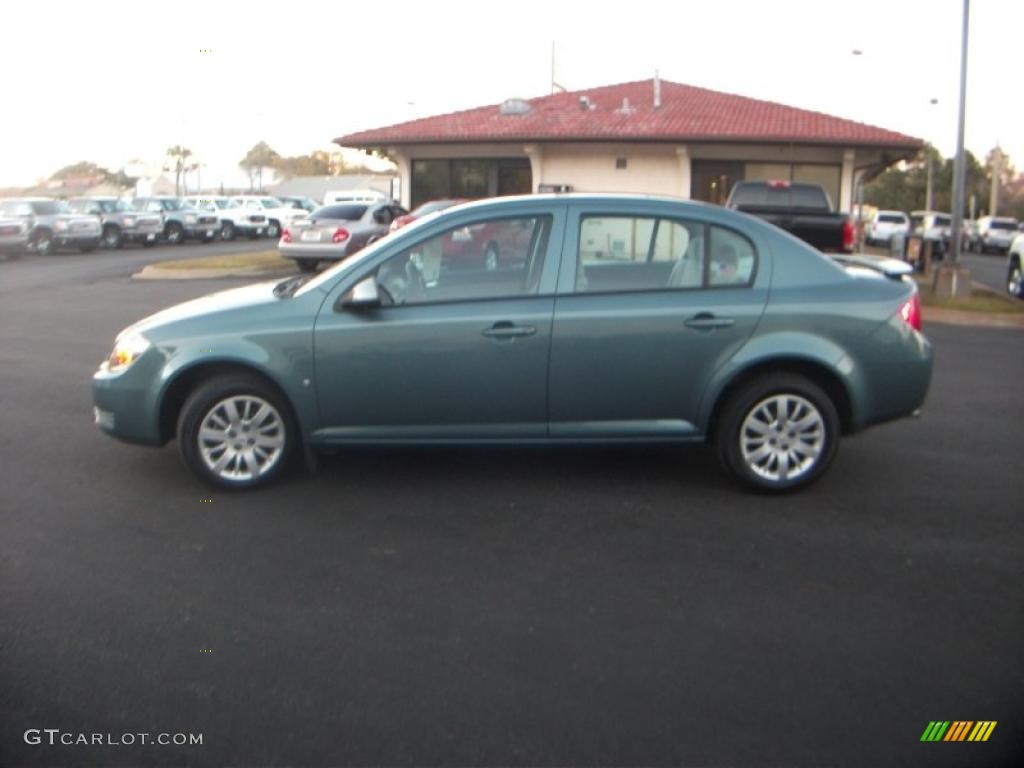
608 319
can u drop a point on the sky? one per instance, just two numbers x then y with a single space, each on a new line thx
121 81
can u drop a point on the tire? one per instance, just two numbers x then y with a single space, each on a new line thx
220 439
751 445
273 229
227 230
112 237
174 234
1015 280
148 243
491 257
307 265
42 242
89 247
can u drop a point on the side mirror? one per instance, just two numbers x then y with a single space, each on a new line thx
362 295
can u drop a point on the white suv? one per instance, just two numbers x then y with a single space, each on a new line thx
885 224
995 233
278 214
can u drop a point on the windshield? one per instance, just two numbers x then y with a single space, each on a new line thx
270 202
49 207
223 203
941 221
1004 224
433 205
891 218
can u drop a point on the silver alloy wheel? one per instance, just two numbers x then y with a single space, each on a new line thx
1014 283
241 438
782 437
273 230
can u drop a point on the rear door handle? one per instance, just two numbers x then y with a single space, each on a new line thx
506 330
705 321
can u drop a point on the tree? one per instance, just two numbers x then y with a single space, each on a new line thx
256 159
80 169
317 163
179 155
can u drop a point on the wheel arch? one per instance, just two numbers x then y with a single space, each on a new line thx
187 379
820 373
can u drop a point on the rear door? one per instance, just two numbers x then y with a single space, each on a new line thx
649 305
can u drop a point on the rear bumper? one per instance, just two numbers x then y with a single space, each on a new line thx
294 250
893 382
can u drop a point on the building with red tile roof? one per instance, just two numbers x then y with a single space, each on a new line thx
649 136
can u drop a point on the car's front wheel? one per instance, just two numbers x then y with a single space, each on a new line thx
1015 281
227 230
236 432
273 229
174 234
778 433
112 237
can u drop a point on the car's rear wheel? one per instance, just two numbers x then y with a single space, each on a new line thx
236 432
174 234
307 265
274 229
112 237
1015 281
778 433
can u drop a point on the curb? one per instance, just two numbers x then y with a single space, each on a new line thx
156 273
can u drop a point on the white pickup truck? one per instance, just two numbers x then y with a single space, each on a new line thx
234 218
278 214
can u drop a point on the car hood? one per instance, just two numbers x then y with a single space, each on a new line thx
245 297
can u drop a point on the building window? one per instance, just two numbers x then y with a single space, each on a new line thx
620 163
469 178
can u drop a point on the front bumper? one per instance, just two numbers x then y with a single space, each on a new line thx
125 404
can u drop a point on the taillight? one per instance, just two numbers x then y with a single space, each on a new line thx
910 311
849 235
286 236
340 235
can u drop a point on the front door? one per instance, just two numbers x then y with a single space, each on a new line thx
459 347
654 306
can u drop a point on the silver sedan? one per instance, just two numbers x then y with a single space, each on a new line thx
334 232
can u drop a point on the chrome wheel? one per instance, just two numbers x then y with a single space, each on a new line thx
241 438
782 437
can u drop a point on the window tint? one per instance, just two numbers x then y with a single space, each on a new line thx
486 260
626 253
732 258
1003 224
343 212
803 196
891 218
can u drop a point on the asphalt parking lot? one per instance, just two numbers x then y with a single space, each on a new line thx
512 607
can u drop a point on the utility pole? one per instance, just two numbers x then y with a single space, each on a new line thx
952 279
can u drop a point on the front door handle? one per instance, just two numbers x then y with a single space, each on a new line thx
506 330
706 321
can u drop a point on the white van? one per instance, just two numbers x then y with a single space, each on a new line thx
354 196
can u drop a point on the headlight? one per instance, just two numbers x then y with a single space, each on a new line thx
190 218
127 349
60 225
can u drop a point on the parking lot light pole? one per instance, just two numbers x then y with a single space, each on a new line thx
952 279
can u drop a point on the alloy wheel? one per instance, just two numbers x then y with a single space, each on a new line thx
242 437
782 437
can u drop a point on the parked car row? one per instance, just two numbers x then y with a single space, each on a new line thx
41 225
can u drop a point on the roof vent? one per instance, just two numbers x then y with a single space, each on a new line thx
515 107
626 109
585 103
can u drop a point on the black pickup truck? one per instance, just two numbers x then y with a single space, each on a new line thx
803 210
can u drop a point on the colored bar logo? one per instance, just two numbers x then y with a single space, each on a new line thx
958 730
